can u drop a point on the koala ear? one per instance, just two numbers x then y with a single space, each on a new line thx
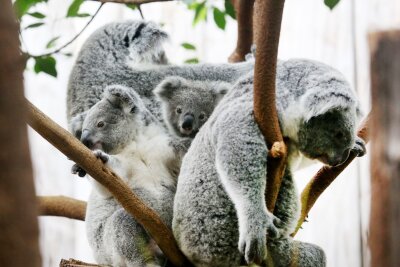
222 89
167 88
121 97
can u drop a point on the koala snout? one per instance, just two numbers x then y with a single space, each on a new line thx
339 159
187 123
87 139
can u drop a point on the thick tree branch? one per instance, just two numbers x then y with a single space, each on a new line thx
76 151
244 16
267 21
325 176
62 206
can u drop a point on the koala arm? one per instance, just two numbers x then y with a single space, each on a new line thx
241 165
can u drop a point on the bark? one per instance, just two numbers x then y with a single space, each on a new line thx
324 177
384 236
62 206
77 263
244 16
267 21
76 151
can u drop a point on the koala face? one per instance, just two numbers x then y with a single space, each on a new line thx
188 104
114 121
328 137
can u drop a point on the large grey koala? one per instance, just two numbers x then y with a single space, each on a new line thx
219 211
187 104
130 53
132 142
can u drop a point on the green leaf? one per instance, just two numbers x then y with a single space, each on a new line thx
34 25
37 15
46 65
229 9
200 13
52 42
83 15
219 18
192 61
73 9
331 3
131 6
21 7
188 46
67 54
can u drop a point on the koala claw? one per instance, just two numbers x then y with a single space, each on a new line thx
254 247
76 169
359 147
104 157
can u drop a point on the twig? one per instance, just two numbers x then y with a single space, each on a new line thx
58 50
76 151
77 263
140 11
267 19
324 177
62 206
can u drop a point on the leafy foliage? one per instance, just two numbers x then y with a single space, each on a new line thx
331 3
46 64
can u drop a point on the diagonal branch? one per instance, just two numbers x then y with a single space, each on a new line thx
76 151
267 20
62 206
325 176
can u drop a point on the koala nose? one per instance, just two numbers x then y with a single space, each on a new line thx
339 159
188 122
86 138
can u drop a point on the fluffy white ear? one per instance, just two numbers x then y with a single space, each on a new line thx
221 89
166 89
121 97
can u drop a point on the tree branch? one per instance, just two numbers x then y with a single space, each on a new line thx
325 176
76 151
135 2
77 263
244 16
267 20
62 206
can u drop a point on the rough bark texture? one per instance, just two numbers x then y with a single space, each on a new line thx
325 176
267 21
384 239
76 151
62 206
18 211
244 17
77 263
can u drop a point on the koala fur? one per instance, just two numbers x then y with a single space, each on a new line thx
187 104
130 54
132 142
219 211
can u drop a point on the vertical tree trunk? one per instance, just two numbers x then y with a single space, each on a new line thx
385 157
18 210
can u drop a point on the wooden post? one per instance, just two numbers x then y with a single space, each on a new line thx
18 210
384 237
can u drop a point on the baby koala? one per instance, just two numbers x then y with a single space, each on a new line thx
133 143
187 104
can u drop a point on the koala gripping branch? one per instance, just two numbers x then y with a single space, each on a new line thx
324 177
267 21
76 151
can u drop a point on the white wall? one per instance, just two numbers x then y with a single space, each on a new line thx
339 220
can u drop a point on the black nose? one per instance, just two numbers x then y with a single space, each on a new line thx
86 138
188 122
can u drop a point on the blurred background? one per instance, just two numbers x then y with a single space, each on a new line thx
339 220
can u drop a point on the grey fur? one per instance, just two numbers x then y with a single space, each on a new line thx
110 56
121 125
219 210
187 102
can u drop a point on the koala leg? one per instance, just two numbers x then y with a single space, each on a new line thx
288 252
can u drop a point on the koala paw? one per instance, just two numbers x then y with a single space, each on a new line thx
359 147
104 157
76 169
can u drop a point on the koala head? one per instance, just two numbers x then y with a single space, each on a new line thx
187 104
115 120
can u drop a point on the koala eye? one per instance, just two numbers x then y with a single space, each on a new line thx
202 116
100 124
133 109
339 135
179 110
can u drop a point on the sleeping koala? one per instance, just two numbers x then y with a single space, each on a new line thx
187 104
132 142
220 214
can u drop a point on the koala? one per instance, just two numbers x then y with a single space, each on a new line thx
130 53
220 214
187 104
133 143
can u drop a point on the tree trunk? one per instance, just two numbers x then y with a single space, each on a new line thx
385 157
18 210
